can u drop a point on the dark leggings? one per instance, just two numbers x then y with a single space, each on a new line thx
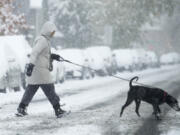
48 90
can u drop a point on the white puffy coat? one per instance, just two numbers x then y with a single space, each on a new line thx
40 56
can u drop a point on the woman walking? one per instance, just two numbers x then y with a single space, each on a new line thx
38 72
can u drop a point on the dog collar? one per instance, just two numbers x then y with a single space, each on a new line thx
164 97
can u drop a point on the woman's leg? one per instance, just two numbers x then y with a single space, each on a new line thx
54 99
28 95
49 91
26 99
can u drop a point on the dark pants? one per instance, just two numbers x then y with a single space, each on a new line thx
48 90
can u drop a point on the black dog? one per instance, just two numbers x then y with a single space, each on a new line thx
154 96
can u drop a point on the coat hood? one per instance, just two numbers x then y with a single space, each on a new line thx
48 28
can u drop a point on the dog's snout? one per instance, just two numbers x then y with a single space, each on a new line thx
176 107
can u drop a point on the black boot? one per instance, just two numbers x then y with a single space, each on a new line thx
58 111
21 110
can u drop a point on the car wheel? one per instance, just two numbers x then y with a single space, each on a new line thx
62 80
16 88
93 75
3 90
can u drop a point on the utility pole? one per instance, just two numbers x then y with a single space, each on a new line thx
37 6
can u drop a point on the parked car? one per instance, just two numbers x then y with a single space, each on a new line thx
15 49
125 59
12 78
58 71
114 64
3 75
76 56
142 59
3 84
100 58
170 58
152 59
14 75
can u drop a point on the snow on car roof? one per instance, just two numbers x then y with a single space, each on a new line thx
71 54
3 61
17 46
74 55
103 51
170 57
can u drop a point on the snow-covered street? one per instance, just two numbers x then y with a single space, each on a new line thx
67 65
95 106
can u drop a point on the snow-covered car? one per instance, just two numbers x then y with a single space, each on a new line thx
125 59
114 64
143 60
76 56
100 58
3 84
152 59
3 61
58 72
131 59
13 51
14 75
170 58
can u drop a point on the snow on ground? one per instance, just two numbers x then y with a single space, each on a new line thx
76 85
173 132
79 130
172 124
77 95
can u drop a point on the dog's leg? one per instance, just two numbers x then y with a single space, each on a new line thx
155 112
155 107
128 102
159 110
137 101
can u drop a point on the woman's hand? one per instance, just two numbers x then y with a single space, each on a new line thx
29 68
56 57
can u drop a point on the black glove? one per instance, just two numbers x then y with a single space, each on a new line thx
28 69
56 57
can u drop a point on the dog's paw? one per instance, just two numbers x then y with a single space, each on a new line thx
158 119
138 114
120 115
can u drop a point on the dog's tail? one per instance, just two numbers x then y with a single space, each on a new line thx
130 83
